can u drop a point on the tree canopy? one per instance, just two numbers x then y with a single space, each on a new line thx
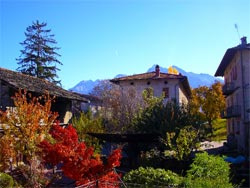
25 126
89 123
39 56
28 123
119 109
208 101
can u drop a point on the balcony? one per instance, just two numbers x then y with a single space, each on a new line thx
232 111
228 88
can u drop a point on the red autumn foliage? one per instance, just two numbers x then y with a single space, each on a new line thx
78 161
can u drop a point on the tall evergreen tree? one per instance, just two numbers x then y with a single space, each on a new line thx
39 56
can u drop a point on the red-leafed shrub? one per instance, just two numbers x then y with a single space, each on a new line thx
79 161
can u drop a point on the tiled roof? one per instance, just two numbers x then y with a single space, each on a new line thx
148 76
227 58
21 81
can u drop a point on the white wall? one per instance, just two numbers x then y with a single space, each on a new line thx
175 90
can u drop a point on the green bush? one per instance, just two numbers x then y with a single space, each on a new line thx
149 177
6 181
203 183
208 171
181 146
88 123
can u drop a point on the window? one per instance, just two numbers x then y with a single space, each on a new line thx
233 73
165 92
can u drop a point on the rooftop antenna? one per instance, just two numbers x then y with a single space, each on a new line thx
236 27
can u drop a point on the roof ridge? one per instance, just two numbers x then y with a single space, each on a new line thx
31 83
28 76
132 75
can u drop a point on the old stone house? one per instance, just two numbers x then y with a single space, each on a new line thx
235 68
171 86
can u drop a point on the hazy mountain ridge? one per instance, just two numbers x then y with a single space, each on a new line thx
195 80
85 86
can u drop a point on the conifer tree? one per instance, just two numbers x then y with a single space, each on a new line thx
39 56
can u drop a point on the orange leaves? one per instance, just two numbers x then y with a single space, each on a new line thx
33 112
172 70
6 153
28 122
209 99
78 160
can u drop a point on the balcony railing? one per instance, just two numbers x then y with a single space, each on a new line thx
228 88
232 111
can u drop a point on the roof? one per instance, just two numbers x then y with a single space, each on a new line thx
228 56
148 76
153 76
37 85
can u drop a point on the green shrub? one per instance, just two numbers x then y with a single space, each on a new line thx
88 123
204 183
219 130
208 171
149 177
6 181
182 145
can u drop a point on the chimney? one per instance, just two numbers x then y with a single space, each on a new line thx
243 41
157 71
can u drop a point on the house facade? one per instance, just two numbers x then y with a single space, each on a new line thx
171 86
235 68
66 103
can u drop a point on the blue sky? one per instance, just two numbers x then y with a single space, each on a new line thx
102 38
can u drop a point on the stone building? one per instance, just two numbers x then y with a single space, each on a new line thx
171 86
66 103
235 68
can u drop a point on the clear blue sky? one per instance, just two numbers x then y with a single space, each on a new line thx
102 38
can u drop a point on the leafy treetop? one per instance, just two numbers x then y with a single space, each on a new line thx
39 56
28 123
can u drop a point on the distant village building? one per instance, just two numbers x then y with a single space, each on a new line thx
172 85
235 68
94 104
66 103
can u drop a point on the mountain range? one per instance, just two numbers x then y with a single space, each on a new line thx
195 80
